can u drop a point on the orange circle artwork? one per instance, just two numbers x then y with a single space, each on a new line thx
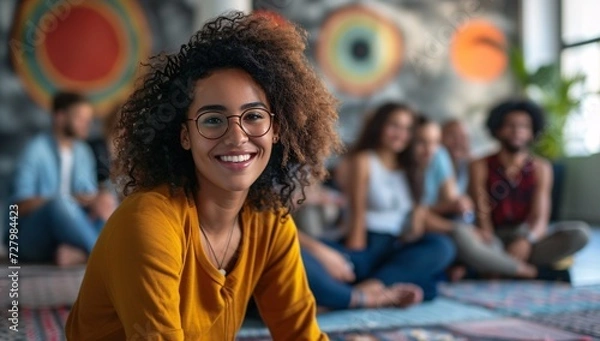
479 51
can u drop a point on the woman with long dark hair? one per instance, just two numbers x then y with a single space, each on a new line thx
386 241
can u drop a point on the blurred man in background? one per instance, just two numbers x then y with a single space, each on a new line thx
456 140
512 191
55 187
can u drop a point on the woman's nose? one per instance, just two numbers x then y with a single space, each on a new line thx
235 134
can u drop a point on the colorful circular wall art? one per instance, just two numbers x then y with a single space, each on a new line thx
359 49
275 17
479 51
94 47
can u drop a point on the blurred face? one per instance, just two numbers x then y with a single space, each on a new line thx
75 121
427 141
516 132
456 140
396 132
233 161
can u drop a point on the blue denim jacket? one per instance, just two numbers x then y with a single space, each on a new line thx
438 171
38 170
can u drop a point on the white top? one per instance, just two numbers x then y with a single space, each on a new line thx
66 169
389 200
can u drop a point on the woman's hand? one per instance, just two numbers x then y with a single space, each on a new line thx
336 264
463 204
355 244
417 225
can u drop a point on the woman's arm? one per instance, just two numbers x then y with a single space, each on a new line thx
357 193
542 200
483 203
282 293
435 223
451 201
143 261
448 197
341 175
333 261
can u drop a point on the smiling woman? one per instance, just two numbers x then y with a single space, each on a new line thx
211 147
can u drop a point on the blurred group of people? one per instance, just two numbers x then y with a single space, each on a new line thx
203 226
405 208
414 209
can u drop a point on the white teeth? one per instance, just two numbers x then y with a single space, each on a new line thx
235 158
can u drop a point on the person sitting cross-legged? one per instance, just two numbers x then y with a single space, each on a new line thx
55 187
450 210
512 191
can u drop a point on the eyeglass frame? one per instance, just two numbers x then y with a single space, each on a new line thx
272 115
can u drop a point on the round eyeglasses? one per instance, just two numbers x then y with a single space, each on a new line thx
255 122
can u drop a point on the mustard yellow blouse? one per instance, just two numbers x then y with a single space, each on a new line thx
149 279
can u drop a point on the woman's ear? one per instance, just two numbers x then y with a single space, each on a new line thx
184 138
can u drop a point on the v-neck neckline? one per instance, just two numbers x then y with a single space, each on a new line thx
202 255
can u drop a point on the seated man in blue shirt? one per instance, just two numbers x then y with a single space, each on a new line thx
456 141
55 187
439 189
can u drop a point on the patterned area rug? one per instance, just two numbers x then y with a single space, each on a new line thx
494 330
585 322
43 286
431 313
512 329
469 311
45 324
520 298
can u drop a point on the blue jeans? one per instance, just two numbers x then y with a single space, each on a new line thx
385 259
328 291
59 221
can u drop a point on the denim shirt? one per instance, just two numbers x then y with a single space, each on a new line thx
439 170
38 170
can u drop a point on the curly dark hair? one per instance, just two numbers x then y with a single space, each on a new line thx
149 152
496 118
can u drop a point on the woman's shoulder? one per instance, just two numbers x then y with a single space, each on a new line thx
145 229
268 216
361 157
155 206
361 160
268 223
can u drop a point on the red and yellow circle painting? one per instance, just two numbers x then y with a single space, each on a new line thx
91 46
479 51
359 49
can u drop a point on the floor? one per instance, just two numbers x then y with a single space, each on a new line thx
586 270
471 307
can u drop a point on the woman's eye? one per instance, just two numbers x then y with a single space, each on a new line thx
212 120
254 116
